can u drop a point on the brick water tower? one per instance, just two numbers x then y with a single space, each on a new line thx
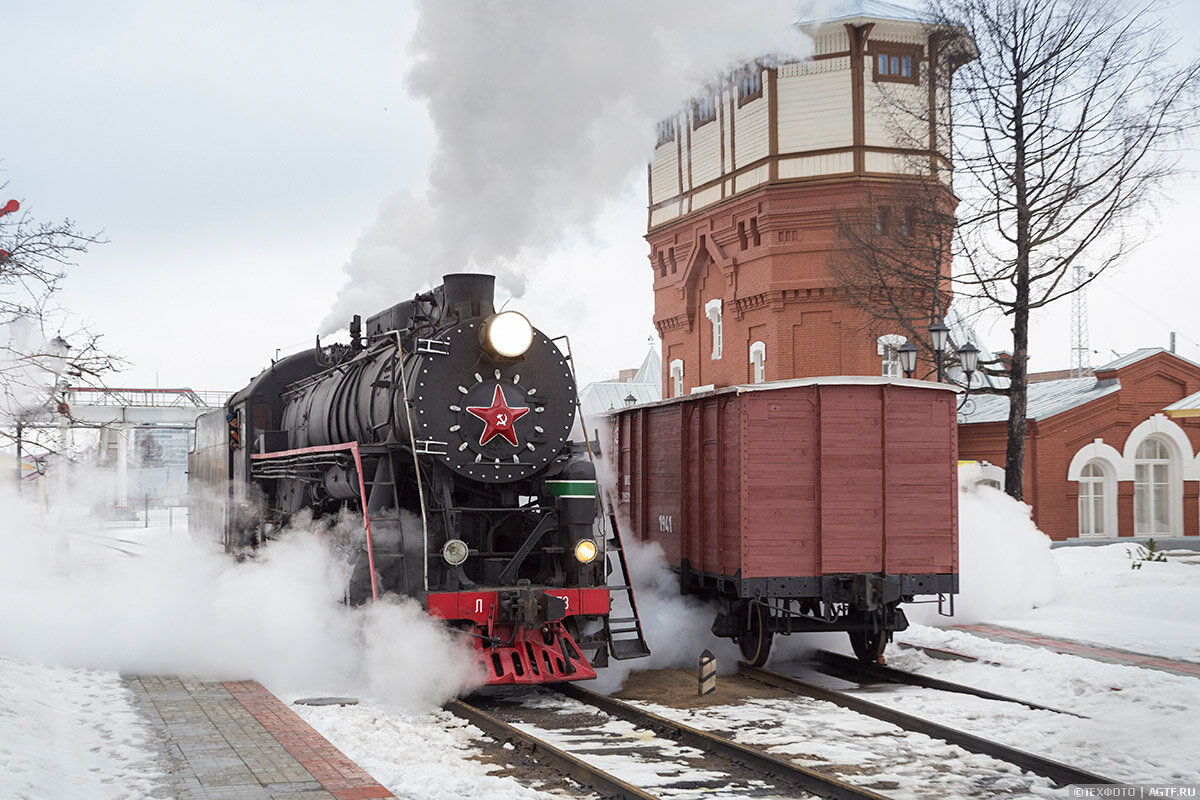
772 194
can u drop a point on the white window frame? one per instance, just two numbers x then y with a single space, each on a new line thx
758 360
677 377
1150 473
712 310
888 349
1097 501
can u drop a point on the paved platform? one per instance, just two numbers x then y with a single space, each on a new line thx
237 741
1111 655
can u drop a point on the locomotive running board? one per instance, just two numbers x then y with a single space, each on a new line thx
635 646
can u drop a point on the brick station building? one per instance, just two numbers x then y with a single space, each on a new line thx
1106 456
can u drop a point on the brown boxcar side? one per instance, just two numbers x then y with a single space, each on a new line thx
821 503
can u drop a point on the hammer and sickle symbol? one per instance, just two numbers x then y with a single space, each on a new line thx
502 420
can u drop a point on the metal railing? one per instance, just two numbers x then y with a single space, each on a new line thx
146 398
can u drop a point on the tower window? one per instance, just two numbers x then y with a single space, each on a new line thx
758 362
704 110
749 87
896 62
712 310
888 348
677 378
666 132
883 219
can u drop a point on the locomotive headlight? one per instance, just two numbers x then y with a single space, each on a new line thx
508 334
455 552
585 551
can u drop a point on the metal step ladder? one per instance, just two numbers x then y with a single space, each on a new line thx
624 634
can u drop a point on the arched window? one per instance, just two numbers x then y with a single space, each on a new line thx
1093 516
677 378
758 361
1152 488
712 310
888 348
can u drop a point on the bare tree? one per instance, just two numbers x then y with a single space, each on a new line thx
1064 126
41 352
1066 115
893 259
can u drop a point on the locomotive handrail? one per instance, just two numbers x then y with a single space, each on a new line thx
412 441
362 490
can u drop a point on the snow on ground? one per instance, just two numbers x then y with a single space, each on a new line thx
1151 609
71 733
416 755
1134 724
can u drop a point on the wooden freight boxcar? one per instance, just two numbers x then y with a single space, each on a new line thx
805 505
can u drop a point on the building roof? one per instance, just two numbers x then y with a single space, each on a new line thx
1045 399
651 369
1187 407
872 9
646 386
1139 355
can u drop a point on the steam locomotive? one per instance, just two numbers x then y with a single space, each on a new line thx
443 426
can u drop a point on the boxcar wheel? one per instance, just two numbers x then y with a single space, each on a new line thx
754 637
868 645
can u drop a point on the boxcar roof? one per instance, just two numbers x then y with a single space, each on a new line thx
827 380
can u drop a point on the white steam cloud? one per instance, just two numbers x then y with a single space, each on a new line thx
164 604
544 112
1004 562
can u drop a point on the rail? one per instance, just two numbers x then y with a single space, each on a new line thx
890 675
769 765
1061 774
577 768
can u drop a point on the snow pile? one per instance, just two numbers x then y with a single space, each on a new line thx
181 608
1151 609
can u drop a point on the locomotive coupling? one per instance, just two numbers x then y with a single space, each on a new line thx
530 607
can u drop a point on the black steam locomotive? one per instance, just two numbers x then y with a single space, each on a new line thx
444 427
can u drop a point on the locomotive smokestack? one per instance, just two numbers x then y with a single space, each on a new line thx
470 295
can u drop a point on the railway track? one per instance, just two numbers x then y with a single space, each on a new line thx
1061 774
688 762
843 664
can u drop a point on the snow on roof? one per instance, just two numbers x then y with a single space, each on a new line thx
1138 355
1046 399
873 9
1189 403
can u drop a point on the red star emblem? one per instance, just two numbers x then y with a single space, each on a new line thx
498 418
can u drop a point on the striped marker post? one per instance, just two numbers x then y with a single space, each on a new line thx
708 673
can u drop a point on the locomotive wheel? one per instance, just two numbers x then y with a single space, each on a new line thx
869 645
754 637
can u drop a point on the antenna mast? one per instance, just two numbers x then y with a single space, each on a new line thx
1080 362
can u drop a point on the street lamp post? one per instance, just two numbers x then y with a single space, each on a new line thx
939 334
908 358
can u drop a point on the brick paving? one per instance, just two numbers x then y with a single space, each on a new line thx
1109 654
237 741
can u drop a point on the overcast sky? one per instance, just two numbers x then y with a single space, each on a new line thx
242 159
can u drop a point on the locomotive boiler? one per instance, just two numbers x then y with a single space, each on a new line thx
442 429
